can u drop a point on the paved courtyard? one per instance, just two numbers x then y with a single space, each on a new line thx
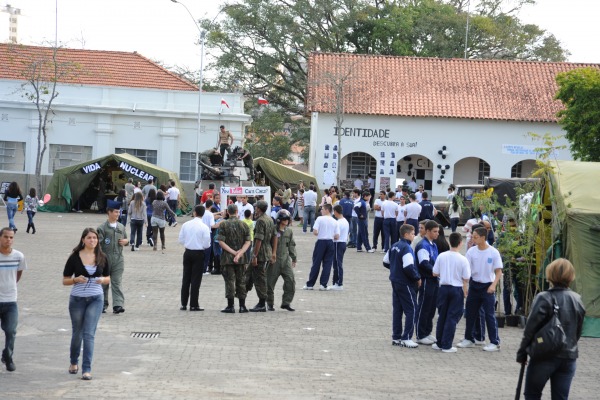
337 345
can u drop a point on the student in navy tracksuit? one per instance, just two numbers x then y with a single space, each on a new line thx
389 210
347 205
378 222
327 230
427 253
405 278
454 272
361 212
428 210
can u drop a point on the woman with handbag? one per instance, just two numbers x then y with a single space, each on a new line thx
557 365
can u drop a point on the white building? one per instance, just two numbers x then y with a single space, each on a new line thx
108 102
441 121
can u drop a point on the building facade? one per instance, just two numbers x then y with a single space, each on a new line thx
440 121
112 102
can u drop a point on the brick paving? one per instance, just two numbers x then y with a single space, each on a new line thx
337 345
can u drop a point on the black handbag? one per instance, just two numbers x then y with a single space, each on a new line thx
550 339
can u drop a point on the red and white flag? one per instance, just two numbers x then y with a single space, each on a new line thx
262 100
224 103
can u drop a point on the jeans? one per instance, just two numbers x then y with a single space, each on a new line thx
11 210
560 371
85 313
149 229
9 316
173 206
454 224
353 231
30 215
137 227
309 217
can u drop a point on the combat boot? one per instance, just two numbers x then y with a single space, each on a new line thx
33 227
28 226
243 308
230 309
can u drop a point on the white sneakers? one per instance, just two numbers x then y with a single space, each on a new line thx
404 343
335 287
321 287
427 340
479 342
491 347
435 347
450 350
465 343
371 251
307 287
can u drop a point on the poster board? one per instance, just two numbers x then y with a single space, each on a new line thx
250 191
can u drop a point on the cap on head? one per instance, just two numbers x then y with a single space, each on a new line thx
262 205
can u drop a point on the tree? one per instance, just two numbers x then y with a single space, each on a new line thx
579 91
267 137
41 70
264 44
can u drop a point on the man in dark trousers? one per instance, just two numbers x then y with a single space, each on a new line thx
405 278
326 229
427 253
428 210
362 236
195 237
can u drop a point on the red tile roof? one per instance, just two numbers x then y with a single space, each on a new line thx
435 87
93 67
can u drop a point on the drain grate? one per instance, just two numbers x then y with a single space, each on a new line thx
145 335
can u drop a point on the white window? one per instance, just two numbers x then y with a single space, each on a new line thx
65 155
187 166
484 170
360 164
12 156
150 156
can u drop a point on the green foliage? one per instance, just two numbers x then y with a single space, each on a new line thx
579 91
266 137
261 46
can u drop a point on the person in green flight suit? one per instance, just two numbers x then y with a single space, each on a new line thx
284 264
262 253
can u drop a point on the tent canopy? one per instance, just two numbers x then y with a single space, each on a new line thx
68 184
576 223
276 174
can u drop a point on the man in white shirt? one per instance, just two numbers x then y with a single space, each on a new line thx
12 265
454 272
358 183
310 206
413 184
419 194
401 217
195 237
243 206
486 271
390 212
173 201
413 210
339 249
327 230
378 223
371 183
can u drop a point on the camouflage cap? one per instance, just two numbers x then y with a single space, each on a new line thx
262 205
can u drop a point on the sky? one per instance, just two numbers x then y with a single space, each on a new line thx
164 31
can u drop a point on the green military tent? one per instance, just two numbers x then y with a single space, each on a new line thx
68 184
276 174
576 225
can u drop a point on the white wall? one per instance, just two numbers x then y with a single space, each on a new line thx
426 136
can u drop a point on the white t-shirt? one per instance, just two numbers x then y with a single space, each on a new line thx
173 193
9 265
356 201
413 210
371 182
242 208
419 196
413 186
389 209
344 229
208 218
358 184
327 227
484 263
379 203
310 198
401 209
452 267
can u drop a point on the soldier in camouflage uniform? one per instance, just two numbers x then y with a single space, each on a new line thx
234 239
112 236
284 263
262 253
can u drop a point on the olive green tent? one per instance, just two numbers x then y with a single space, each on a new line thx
576 224
68 184
276 174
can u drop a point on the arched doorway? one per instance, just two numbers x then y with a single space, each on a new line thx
523 169
415 166
471 170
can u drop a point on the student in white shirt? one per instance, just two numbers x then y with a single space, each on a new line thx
378 223
413 210
454 272
339 249
390 211
327 230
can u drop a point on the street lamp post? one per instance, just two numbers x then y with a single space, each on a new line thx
202 37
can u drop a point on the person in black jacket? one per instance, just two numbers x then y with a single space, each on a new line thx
559 368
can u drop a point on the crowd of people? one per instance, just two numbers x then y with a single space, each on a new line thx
252 248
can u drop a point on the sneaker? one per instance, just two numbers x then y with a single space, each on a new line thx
479 342
307 287
151 242
425 340
335 287
206 273
371 251
396 342
359 251
408 343
432 338
321 287
136 248
174 224
450 350
491 347
436 347
132 248
383 252
465 343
